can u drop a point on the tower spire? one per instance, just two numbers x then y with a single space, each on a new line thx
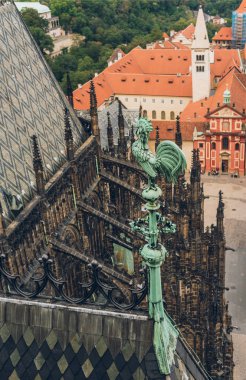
69 90
178 135
38 166
68 137
110 136
93 112
157 138
122 139
200 40
220 214
200 53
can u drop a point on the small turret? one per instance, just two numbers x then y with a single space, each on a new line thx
227 96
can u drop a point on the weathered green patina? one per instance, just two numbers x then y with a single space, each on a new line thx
170 162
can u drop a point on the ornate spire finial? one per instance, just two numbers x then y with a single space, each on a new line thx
110 136
178 135
221 203
109 120
68 136
168 161
37 161
220 214
2 224
122 139
93 99
157 138
93 112
69 90
38 166
140 111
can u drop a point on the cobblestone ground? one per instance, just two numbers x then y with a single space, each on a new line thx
234 190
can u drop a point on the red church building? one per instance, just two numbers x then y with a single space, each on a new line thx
222 145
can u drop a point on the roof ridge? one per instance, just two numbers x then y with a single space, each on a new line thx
242 84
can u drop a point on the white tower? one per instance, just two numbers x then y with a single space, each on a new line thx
200 55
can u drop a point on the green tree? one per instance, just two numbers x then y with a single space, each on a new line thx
38 28
43 40
32 19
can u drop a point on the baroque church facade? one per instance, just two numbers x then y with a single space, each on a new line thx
72 202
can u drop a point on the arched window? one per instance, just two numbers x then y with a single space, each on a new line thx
213 145
225 143
237 146
172 115
153 114
145 113
163 115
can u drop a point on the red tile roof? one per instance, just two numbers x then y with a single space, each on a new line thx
235 82
167 129
224 34
242 7
165 35
188 32
224 59
152 72
170 45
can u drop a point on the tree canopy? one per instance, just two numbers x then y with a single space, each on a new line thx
38 27
107 24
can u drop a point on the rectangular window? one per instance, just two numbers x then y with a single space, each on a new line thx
200 58
162 100
181 102
200 69
153 100
172 101
200 145
144 100
135 100
126 99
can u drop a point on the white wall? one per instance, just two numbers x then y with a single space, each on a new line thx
200 80
155 103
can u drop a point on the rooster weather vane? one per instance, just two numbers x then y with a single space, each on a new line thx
169 161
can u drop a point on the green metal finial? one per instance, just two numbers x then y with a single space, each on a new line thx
170 162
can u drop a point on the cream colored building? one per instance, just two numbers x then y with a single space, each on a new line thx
156 107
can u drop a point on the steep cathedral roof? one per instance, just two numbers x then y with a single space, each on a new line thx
31 102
